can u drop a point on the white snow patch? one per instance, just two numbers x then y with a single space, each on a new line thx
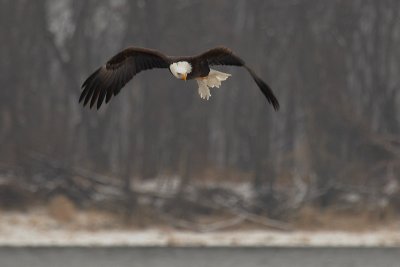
25 230
16 236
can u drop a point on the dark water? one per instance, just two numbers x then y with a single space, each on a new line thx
193 257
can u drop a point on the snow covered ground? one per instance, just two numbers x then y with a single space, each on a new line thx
17 236
39 230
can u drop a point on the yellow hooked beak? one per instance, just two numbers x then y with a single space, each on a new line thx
183 77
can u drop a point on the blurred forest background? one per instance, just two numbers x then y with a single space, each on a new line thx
334 144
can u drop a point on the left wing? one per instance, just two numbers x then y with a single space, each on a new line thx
224 56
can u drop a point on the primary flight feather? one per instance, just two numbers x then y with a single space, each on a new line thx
109 79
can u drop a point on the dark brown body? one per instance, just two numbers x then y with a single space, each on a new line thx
200 67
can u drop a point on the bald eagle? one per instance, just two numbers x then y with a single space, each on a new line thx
109 79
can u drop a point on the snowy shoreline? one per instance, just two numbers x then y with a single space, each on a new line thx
17 236
36 228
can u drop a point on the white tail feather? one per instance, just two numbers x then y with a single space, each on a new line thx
213 79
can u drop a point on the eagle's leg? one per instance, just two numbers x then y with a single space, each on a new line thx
204 91
213 79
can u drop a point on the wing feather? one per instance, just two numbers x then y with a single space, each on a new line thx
224 56
109 79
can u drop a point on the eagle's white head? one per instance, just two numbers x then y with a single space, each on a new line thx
181 69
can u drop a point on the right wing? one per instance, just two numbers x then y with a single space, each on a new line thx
108 80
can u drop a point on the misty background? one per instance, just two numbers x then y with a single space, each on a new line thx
335 142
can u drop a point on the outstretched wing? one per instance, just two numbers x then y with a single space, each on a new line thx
109 79
224 56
